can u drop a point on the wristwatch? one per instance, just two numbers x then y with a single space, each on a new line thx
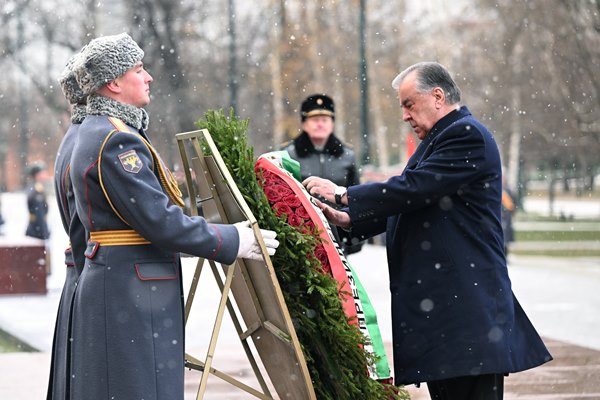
339 192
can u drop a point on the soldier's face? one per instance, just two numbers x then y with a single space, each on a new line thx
318 128
135 86
418 109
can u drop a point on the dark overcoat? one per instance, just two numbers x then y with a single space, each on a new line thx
335 162
128 327
74 260
453 310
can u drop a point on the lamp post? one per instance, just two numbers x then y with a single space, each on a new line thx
23 104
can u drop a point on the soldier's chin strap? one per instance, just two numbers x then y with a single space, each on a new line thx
166 177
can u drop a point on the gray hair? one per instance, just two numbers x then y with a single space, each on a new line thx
430 75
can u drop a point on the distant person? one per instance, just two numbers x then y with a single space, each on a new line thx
321 153
37 204
509 208
456 323
127 330
1 218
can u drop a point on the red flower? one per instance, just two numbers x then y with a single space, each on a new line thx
282 188
266 178
292 201
321 255
302 213
294 220
281 208
262 172
272 195
308 227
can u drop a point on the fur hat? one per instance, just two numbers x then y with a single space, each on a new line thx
69 84
317 104
104 59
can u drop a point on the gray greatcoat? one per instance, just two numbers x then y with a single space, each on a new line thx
128 328
74 259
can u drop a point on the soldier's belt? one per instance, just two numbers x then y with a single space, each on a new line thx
125 237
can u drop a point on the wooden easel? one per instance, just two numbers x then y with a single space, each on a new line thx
253 284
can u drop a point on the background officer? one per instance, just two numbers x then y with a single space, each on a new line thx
321 153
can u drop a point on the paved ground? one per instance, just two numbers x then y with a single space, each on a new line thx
573 375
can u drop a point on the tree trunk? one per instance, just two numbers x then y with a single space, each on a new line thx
514 149
276 79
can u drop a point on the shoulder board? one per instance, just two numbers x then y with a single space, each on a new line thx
119 125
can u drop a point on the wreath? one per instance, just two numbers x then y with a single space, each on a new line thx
333 345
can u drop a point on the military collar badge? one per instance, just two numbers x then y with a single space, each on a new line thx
131 161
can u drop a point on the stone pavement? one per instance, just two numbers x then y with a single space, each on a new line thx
574 374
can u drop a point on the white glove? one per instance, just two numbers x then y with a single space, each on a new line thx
249 247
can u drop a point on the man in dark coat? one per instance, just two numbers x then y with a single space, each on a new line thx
456 323
321 153
127 314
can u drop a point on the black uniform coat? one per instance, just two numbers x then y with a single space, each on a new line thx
335 162
74 259
128 327
453 310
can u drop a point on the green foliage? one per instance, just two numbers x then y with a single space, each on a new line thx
557 235
11 344
332 347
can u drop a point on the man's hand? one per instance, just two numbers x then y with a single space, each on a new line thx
249 247
339 218
320 187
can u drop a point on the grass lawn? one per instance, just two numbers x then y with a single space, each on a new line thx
11 344
563 232
542 236
558 253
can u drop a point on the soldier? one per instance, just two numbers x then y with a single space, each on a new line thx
37 204
127 318
74 259
321 153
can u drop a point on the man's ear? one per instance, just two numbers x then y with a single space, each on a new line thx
440 96
113 86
